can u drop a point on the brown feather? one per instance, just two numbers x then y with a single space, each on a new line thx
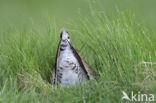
90 71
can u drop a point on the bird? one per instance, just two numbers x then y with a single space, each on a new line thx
70 68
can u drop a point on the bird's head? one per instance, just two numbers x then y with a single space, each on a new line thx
64 35
65 41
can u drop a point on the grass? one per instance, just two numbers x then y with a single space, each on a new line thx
119 48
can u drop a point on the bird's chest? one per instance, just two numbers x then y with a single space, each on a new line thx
67 68
67 59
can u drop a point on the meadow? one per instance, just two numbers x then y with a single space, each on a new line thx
116 42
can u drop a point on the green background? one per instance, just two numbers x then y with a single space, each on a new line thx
117 38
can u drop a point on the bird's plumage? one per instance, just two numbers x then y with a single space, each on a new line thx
70 68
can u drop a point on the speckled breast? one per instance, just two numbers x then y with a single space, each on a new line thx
68 69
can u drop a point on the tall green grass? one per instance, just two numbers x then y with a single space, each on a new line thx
120 49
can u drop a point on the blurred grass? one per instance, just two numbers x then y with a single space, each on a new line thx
117 44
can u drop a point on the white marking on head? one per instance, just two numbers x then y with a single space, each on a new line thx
64 35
